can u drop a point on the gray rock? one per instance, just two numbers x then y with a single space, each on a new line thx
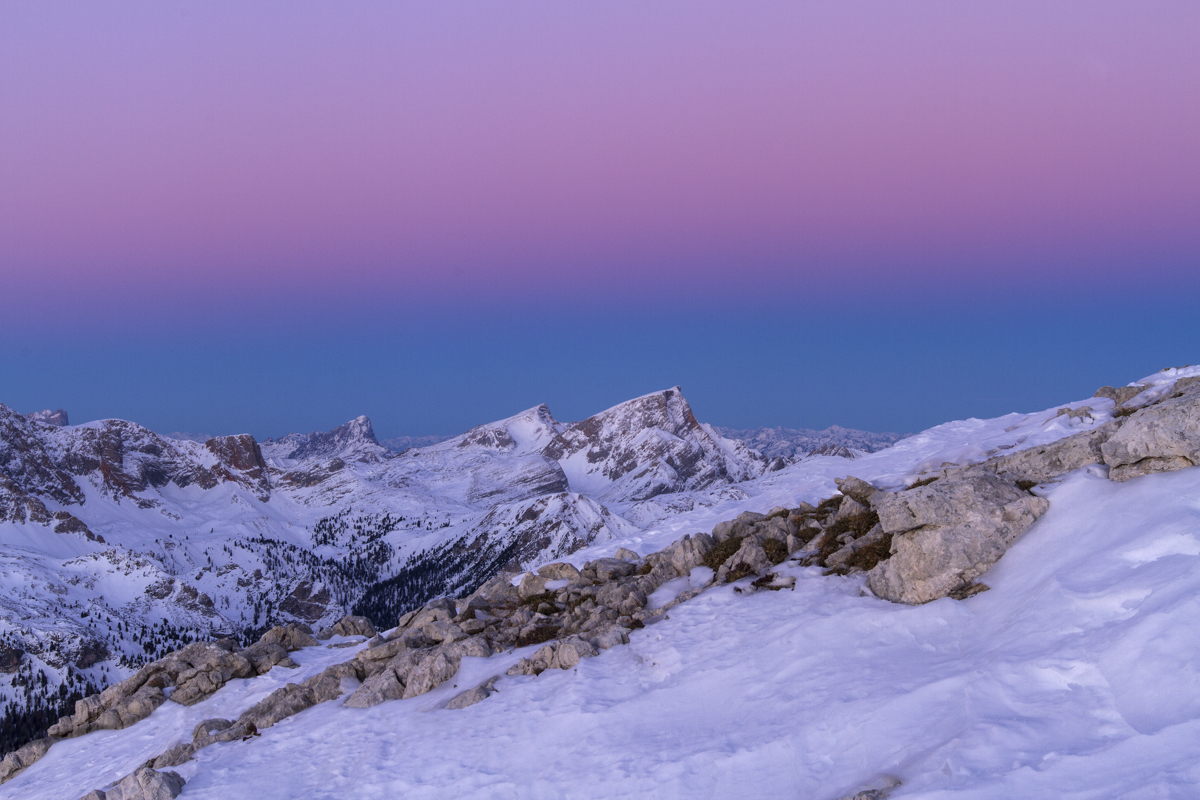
688 553
947 533
531 585
749 559
1161 437
349 626
1052 461
208 731
856 488
146 784
625 554
559 572
266 655
607 569
23 756
94 794
607 636
179 754
291 637
472 696
1120 394
843 556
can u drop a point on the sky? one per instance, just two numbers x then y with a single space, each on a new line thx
222 217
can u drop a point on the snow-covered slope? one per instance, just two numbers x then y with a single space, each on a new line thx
1074 676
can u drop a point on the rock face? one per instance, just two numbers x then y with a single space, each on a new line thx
948 533
1159 437
354 441
793 443
145 784
648 446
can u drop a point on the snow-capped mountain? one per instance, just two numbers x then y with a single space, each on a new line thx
228 535
795 443
650 647
649 446
354 441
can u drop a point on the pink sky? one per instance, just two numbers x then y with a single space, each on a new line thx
534 148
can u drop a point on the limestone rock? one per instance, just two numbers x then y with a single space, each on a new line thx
531 585
947 533
688 553
1161 437
559 572
348 626
856 488
749 559
179 754
1120 394
22 757
472 696
625 554
1052 461
146 784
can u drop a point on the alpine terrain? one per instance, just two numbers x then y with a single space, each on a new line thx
636 604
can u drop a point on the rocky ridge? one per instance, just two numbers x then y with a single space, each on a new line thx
927 541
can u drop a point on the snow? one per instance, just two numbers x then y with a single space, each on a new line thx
1077 675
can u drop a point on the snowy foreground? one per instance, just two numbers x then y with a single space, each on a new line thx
1077 675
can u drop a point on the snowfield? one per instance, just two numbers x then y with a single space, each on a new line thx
1077 675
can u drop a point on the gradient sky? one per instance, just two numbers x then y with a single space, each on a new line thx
275 216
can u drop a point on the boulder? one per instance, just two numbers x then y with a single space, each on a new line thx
291 637
1160 437
749 559
146 784
472 696
265 655
531 585
349 626
606 569
625 554
856 488
687 553
559 572
1121 394
947 533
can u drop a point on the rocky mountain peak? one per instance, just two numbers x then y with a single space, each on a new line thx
57 418
647 446
352 441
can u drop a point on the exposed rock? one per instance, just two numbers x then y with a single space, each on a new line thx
1050 462
306 602
22 757
1160 437
625 554
348 626
209 731
1120 394
146 784
856 488
749 559
472 696
605 569
559 572
179 754
531 585
947 533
